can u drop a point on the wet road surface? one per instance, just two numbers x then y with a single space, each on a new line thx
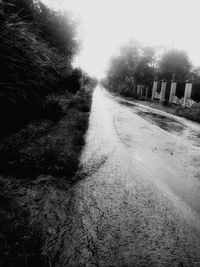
140 206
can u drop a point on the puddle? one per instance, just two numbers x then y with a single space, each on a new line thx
167 124
127 104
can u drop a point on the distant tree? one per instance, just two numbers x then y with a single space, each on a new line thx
123 66
134 64
146 66
195 74
89 80
174 64
35 58
58 29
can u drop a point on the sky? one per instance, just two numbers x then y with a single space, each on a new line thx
107 24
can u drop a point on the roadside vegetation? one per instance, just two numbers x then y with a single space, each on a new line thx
132 65
138 64
135 64
192 113
44 110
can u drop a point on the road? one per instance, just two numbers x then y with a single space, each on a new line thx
140 205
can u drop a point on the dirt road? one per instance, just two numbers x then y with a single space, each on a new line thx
141 204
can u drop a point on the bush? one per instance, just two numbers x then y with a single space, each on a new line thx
82 101
192 113
32 64
20 244
34 150
73 83
53 107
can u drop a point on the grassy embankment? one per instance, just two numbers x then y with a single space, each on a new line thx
44 117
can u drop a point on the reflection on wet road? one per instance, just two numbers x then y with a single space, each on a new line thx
141 207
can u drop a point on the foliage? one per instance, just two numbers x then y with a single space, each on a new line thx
174 64
146 66
53 107
40 149
192 113
134 64
72 83
19 243
89 82
32 64
38 86
82 101
58 29
195 74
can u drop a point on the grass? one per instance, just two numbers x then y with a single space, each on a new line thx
38 166
43 118
45 147
19 242
32 69
192 113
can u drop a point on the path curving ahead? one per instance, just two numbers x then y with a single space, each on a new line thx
140 206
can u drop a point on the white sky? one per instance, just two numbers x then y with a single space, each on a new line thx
108 23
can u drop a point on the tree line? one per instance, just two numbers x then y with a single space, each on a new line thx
138 64
37 46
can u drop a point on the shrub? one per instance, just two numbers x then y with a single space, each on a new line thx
53 107
20 242
32 63
192 113
82 101
73 83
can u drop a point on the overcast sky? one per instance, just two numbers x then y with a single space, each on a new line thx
108 23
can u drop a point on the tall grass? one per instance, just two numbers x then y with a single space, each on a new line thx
192 113
38 158
30 66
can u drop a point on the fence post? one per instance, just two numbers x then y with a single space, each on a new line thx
188 92
172 90
155 86
163 89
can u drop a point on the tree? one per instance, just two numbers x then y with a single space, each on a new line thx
58 29
134 64
195 74
174 64
146 66
35 58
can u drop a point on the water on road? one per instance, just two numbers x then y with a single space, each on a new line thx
140 205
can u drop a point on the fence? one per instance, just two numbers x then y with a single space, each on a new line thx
179 93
